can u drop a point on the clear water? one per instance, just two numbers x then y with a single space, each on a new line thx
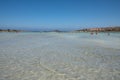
59 56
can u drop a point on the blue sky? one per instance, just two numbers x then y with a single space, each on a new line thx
58 14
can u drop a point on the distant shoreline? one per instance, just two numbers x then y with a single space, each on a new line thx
103 29
10 30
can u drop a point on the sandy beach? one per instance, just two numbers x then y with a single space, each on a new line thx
59 56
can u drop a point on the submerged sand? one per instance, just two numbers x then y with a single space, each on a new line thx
59 56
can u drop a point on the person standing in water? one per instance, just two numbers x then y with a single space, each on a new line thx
108 33
96 32
91 33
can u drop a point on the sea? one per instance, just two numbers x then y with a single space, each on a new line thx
59 56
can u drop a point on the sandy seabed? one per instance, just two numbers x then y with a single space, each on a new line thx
59 56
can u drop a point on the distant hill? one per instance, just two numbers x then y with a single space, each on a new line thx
105 29
9 30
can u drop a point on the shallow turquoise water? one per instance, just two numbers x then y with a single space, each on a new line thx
59 56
